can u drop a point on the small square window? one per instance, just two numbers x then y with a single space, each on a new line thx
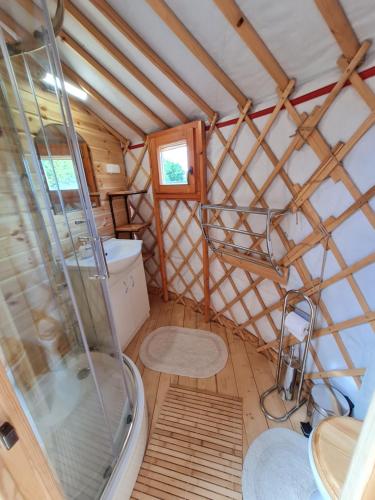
177 161
174 164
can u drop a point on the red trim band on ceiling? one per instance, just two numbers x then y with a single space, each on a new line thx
367 73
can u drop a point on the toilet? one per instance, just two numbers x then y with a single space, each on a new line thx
288 458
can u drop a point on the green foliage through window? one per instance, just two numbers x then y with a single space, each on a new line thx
174 164
173 173
62 170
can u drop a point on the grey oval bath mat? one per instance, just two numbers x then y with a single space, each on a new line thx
184 351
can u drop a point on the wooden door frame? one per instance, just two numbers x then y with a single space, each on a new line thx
24 468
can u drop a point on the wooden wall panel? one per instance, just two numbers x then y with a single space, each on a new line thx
30 309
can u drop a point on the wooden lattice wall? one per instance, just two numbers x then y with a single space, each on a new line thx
296 157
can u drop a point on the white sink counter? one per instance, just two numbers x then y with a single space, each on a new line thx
120 255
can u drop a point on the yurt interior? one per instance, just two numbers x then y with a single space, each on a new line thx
187 249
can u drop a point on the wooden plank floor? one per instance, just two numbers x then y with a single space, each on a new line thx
195 449
246 374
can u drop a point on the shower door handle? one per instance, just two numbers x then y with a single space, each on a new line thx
8 435
104 257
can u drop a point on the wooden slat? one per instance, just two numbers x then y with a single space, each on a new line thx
343 325
134 228
123 60
172 21
339 25
347 372
366 261
330 224
19 32
123 140
253 267
84 54
251 38
125 29
112 109
360 85
191 460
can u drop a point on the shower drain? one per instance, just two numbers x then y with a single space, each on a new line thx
84 373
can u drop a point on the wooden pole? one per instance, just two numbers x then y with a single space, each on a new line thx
159 237
206 261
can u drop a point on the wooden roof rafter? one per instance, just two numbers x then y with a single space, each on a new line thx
124 61
72 75
126 30
65 37
13 30
244 28
19 31
124 141
339 25
172 21
86 56
34 10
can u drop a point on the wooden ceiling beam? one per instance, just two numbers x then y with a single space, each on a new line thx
172 21
339 25
65 37
21 33
11 27
246 31
127 31
98 97
124 61
121 138
34 10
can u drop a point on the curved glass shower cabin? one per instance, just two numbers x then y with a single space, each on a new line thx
66 368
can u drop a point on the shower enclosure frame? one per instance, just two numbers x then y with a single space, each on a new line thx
99 253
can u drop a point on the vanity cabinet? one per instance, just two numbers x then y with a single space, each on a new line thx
128 295
129 301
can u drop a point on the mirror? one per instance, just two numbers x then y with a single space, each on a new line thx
59 173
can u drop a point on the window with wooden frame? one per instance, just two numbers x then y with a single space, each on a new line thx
59 172
177 161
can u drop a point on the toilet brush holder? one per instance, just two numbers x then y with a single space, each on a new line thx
290 374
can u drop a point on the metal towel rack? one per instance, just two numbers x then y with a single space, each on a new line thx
250 258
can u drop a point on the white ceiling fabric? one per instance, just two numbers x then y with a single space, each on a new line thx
293 30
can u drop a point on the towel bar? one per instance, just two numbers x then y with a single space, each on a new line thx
260 262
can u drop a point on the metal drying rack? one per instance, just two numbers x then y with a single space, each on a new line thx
264 259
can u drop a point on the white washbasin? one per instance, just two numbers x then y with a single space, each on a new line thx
120 254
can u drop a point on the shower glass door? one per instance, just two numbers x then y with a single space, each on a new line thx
56 339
